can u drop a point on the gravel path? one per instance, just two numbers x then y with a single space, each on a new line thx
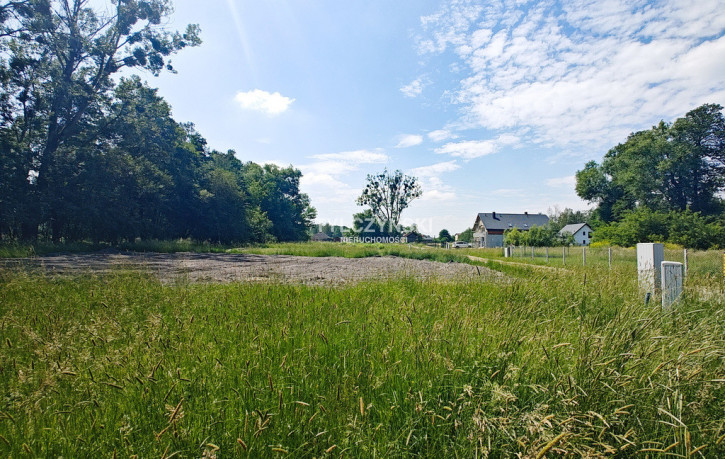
201 267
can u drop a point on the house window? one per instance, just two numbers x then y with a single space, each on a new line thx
584 233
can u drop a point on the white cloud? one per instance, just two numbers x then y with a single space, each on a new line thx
356 157
327 180
434 170
440 135
434 188
562 182
263 101
338 164
470 149
579 74
414 88
409 140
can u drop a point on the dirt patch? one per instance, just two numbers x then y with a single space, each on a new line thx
200 267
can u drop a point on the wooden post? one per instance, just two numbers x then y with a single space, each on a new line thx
610 258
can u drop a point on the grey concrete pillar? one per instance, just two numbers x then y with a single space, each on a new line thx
671 283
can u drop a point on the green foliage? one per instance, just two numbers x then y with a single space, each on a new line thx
366 224
687 229
466 235
670 168
513 237
536 236
60 59
540 236
444 236
388 195
560 218
83 157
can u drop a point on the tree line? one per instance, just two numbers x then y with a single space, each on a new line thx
664 184
86 154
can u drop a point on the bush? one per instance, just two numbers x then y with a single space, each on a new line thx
681 229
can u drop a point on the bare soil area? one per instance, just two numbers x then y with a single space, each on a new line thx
202 267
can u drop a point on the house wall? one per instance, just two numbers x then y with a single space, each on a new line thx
494 240
581 239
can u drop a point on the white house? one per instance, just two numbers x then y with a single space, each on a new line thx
582 233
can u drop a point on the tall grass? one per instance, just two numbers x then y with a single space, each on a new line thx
568 361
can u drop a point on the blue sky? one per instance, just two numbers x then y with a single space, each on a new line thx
493 105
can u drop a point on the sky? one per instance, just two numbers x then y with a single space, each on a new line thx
493 105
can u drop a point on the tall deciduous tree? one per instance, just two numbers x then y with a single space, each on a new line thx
445 236
388 194
669 167
60 57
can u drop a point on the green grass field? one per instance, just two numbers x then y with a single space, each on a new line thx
546 363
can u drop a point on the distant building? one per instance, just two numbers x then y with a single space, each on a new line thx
489 228
582 233
321 237
426 239
412 236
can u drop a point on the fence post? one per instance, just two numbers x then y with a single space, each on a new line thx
649 261
684 267
610 258
584 255
532 252
563 255
547 254
671 283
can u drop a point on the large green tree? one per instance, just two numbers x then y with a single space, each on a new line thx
59 60
277 192
669 167
84 155
388 194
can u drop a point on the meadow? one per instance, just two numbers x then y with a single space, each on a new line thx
541 363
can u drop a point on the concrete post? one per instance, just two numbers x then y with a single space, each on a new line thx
547 254
649 259
584 256
671 283
684 268
563 255
610 258
532 252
